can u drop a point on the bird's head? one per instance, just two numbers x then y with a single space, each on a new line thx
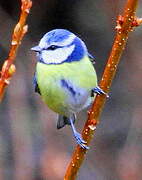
59 46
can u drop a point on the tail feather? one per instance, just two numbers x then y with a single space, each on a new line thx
63 120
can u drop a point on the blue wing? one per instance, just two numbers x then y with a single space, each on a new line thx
36 84
91 57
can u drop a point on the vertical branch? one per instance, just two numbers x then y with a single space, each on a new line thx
125 24
20 29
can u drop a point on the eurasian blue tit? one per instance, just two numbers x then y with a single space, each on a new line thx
65 77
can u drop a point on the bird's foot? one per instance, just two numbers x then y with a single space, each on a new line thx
99 91
80 140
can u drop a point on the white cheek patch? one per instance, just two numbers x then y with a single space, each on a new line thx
57 56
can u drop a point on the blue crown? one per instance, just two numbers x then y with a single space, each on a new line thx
56 35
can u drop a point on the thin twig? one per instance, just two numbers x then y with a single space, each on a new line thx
125 24
20 29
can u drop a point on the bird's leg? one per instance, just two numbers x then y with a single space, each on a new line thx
99 91
78 136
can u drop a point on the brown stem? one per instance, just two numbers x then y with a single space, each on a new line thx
20 29
125 24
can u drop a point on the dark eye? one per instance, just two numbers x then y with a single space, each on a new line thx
52 47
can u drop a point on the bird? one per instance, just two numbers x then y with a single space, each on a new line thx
65 77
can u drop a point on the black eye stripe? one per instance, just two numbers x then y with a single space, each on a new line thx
52 47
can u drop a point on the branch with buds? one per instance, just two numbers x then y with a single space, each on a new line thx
8 68
125 24
136 22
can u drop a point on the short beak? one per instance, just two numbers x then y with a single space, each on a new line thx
36 49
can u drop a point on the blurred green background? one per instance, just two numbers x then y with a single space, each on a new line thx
31 148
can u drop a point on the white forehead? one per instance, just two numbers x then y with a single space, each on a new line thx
65 42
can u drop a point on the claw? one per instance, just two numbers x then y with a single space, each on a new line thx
84 146
80 140
99 91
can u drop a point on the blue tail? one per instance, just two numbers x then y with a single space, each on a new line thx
63 120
